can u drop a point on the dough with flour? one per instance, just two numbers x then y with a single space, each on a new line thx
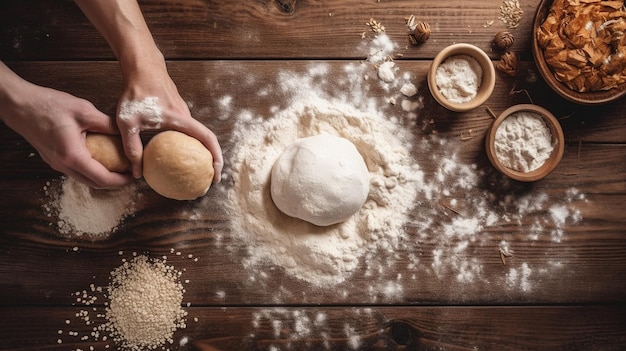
321 179
108 150
177 166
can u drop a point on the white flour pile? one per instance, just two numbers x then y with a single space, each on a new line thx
83 211
321 255
447 207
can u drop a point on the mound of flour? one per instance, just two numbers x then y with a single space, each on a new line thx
319 255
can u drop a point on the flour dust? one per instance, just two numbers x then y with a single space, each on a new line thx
448 205
78 211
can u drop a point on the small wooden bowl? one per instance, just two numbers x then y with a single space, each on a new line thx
486 86
587 98
558 140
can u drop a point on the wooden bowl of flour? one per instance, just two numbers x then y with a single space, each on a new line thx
525 142
461 77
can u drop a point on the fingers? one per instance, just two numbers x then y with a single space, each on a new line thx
96 121
133 148
177 118
97 180
88 171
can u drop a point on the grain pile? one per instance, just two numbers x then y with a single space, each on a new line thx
142 306
511 13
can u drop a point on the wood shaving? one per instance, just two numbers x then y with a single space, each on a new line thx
511 13
583 42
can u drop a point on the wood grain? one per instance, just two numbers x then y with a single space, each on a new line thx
238 49
592 254
39 29
346 328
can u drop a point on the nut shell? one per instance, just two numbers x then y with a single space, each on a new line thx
503 40
508 63
421 33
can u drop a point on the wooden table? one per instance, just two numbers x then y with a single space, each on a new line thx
574 299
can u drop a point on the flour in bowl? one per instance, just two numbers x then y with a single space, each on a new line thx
523 142
458 78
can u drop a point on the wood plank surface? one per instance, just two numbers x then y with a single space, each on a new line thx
40 29
348 328
563 288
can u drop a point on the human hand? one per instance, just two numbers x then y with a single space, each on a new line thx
151 102
55 124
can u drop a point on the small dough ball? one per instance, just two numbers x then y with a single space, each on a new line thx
321 179
177 166
108 150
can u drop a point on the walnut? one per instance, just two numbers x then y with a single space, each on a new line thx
503 40
421 33
508 63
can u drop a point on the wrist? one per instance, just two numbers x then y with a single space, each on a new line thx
134 63
12 91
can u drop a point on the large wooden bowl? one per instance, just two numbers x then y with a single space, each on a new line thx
587 98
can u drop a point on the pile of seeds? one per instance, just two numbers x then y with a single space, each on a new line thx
511 13
143 306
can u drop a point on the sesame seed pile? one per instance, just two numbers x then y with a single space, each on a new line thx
144 308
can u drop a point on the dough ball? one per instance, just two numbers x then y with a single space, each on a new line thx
321 179
177 166
108 150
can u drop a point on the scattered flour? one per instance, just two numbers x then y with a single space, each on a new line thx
386 71
448 206
320 256
309 330
83 211
149 109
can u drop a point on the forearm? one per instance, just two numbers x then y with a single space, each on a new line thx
11 87
122 25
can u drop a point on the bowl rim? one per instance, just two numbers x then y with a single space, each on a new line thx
488 79
557 137
586 98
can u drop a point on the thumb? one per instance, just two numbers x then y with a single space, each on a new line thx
99 122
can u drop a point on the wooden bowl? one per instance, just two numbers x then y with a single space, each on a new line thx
549 165
587 98
488 79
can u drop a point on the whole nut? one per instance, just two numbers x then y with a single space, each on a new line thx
503 40
421 33
508 63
